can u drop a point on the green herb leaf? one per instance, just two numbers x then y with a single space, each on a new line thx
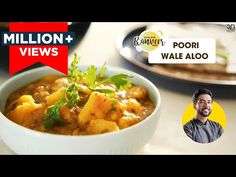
120 80
90 76
75 77
102 71
53 115
74 73
71 96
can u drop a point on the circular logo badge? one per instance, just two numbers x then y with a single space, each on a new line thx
149 40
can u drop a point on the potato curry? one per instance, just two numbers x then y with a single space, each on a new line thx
82 103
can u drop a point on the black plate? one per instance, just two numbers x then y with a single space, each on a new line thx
129 53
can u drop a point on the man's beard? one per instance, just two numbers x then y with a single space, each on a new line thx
204 113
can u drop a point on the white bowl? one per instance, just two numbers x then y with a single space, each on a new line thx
26 141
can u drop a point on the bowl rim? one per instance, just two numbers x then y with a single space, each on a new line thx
51 135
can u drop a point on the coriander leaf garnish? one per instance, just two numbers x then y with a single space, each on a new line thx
92 80
53 114
120 80
74 74
90 76
71 96
102 71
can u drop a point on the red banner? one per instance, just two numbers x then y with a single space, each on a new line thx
22 56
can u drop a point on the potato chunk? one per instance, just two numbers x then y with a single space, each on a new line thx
59 84
65 113
54 97
100 106
137 92
27 113
128 120
99 126
69 114
133 106
19 101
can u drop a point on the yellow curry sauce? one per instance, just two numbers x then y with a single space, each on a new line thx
61 105
96 113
